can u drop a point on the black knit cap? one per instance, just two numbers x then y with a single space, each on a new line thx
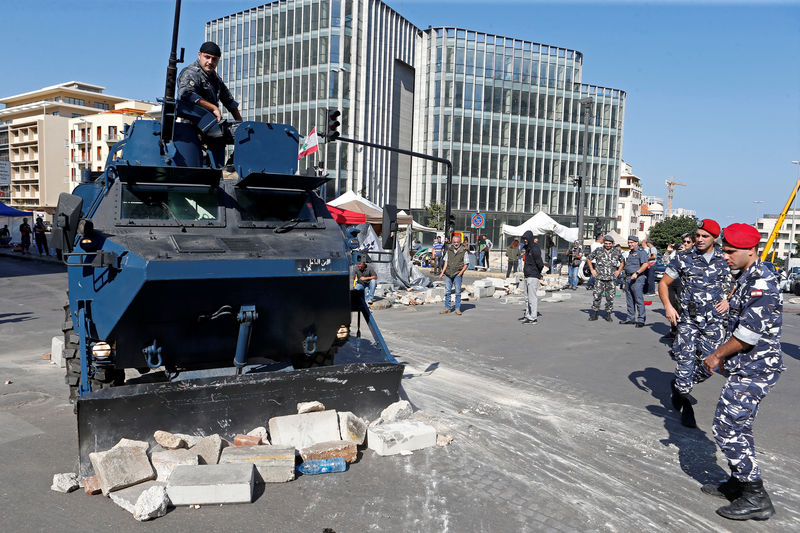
210 48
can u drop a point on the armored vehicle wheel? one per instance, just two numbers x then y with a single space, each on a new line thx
103 378
317 359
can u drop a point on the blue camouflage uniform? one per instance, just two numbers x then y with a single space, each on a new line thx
634 289
755 319
700 327
195 84
607 265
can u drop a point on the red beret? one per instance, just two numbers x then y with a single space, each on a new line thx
742 236
710 226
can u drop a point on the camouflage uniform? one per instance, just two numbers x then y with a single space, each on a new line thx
606 264
700 327
755 318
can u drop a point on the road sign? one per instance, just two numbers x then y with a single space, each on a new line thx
478 220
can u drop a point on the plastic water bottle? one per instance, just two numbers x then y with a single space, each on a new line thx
322 466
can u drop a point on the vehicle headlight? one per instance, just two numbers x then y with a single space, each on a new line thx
101 350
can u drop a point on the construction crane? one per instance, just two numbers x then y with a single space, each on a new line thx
670 193
779 223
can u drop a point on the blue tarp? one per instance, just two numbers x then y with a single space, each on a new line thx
6 211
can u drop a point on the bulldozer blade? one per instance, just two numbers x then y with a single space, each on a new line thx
227 405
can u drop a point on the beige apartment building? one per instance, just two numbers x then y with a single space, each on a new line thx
37 123
91 137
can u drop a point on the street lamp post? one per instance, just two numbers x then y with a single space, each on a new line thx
586 106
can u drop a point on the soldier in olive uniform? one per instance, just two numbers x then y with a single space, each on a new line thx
751 359
706 283
609 265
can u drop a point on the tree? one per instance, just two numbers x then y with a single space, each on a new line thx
434 214
670 230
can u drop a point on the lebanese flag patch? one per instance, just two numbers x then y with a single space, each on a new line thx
755 293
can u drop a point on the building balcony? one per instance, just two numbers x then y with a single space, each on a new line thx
113 138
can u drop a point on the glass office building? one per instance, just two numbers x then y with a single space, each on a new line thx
506 112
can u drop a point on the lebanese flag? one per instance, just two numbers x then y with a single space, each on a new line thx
310 144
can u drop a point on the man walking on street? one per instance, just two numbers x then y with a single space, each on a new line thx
454 267
533 272
438 248
751 359
635 265
706 283
609 265
574 258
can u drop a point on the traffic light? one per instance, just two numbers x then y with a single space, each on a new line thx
333 125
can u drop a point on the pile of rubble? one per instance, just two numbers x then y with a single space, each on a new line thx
195 470
507 290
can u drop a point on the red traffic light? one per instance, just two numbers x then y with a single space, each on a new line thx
333 124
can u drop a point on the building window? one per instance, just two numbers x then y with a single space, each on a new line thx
99 156
101 105
99 135
74 101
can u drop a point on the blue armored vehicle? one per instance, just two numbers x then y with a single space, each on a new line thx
204 299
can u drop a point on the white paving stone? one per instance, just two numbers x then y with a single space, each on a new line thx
211 484
65 483
165 461
274 464
352 428
301 431
399 437
152 503
399 410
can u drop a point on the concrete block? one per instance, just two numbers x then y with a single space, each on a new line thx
499 283
309 407
57 351
399 437
190 440
91 485
208 449
436 292
483 283
301 431
260 432
168 440
211 484
328 450
127 498
541 294
65 482
165 462
397 411
140 444
274 464
352 428
152 503
121 466
379 305
514 300
483 292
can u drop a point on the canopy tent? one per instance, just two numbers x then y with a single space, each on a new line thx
6 211
349 218
539 224
7 215
416 226
353 202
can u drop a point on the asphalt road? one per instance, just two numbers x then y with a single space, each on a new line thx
563 426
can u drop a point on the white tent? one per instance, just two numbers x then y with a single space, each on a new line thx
416 226
539 224
353 202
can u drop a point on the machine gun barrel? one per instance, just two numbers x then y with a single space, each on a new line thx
168 106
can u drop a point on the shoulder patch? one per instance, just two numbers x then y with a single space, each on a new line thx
756 293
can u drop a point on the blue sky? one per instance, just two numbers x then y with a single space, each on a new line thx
713 88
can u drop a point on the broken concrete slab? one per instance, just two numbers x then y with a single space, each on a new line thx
328 450
402 436
208 449
168 441
66 482
379 305
127 497
140 444
121 466
57 351
211 484
165 461
190 440
152 503
261 433
274 464
309 407
352 428
301 431
397 411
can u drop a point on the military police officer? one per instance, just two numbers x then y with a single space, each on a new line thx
751 358
706 283
635 264
609 265
200 90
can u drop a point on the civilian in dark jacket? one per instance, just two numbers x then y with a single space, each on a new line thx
532 270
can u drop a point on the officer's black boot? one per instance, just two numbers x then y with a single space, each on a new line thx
752 504
592 315
729 489
676 396
609 316
682 404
